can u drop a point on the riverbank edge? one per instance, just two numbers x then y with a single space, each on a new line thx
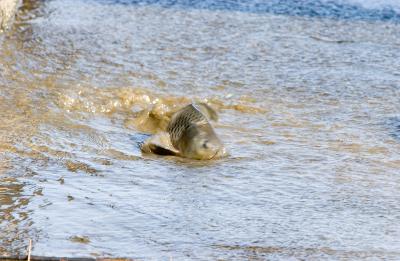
8 8
46 258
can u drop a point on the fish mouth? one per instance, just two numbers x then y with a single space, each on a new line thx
223 153
214 155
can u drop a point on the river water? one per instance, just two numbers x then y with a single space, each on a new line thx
308 99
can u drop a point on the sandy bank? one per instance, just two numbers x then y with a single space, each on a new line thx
7 12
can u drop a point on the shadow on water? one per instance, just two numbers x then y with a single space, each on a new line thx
338 10
394 127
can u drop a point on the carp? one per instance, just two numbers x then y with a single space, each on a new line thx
189 134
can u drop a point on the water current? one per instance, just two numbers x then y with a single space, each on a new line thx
308 97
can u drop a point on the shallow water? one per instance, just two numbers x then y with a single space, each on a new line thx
308 107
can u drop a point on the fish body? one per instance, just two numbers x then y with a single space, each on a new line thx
190 135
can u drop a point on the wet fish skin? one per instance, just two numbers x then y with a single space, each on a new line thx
192 134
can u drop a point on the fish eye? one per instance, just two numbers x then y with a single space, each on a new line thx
205 144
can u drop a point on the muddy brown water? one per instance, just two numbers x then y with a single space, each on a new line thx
309 111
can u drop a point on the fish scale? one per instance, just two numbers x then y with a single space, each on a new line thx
182 121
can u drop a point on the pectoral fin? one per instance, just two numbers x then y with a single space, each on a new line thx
161 151
159 144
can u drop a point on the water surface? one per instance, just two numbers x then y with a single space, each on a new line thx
309 110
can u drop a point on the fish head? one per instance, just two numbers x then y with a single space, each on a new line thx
204 144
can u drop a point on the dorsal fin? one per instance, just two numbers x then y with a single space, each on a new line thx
206 110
